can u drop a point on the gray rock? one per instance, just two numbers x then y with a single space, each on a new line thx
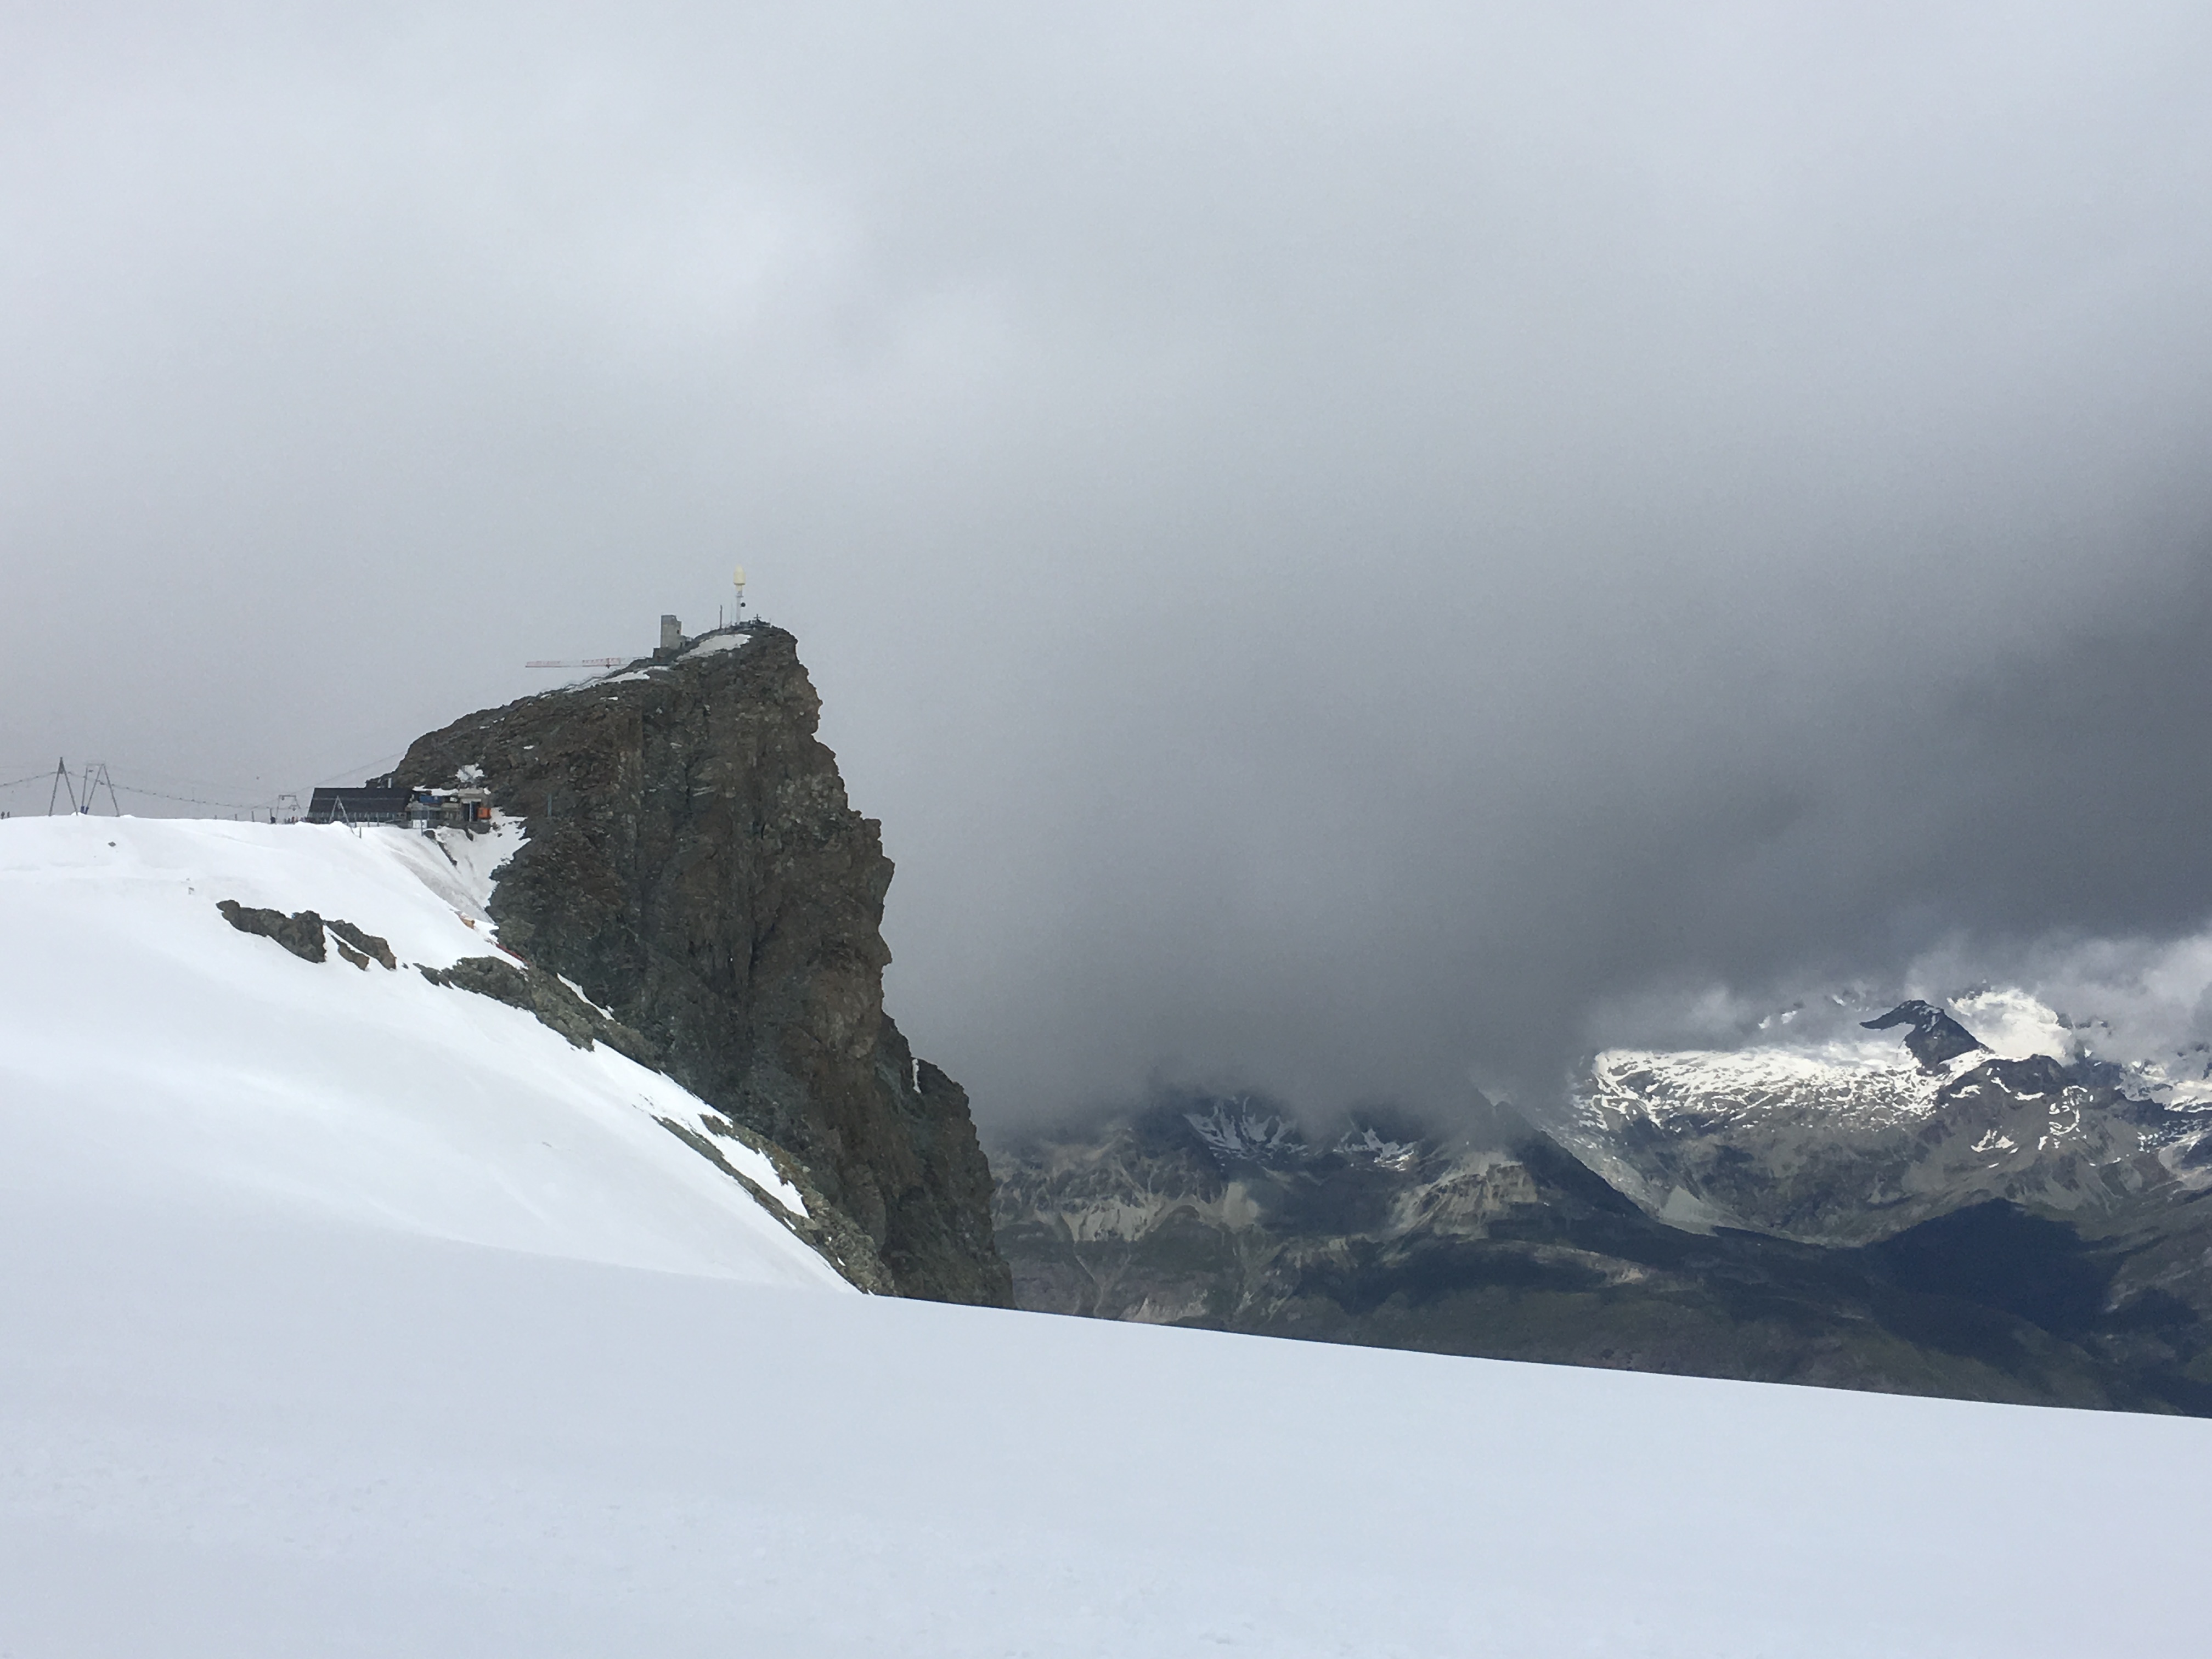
365 947
692 863
1935 1039
301 933
538 993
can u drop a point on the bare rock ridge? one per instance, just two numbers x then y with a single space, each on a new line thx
693 866
546 997
1934 1038
302 933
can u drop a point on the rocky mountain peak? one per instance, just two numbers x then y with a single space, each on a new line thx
692 864
1935 1038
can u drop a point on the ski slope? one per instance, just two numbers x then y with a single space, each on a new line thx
454 1361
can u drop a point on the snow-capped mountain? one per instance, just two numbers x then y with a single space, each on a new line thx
1915 1112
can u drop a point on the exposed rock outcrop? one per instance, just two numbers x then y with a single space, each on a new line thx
543 994
693 864
302 933
1935 1039
359 947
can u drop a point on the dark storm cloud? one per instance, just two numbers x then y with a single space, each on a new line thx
1335 544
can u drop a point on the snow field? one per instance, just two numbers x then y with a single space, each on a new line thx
147 1046
348 1316
230 1440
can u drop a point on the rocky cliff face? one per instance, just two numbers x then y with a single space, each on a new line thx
693 866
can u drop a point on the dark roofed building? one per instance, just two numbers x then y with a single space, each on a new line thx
378 801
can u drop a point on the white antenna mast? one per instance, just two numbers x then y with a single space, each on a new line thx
739 616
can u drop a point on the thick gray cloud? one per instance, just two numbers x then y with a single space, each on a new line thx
1334 543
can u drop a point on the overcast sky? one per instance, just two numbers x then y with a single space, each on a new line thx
1336 540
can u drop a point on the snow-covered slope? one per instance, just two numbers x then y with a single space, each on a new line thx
148 1047
294 1441
265 1391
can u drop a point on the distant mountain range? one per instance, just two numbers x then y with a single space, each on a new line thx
1912 1212
1845 1143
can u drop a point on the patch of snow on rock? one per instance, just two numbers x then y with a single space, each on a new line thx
708 648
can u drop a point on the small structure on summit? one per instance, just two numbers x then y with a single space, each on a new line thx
385 800
672 639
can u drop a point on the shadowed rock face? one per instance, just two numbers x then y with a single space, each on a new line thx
300 932
546 997
693 864
1935 1037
